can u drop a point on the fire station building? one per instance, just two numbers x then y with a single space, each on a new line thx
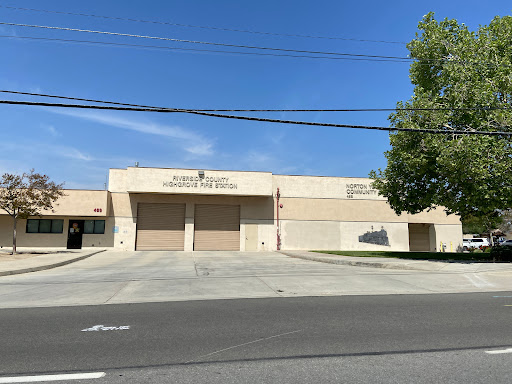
198 210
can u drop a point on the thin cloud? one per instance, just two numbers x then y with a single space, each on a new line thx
72 153
200 149
46 149
51 129
199 145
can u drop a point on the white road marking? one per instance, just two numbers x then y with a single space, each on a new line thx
33 379
103 328
508 350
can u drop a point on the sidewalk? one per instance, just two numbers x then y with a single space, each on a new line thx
392 263
32 260
38 259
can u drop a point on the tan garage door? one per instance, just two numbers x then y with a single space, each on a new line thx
217 227
419 237
160 227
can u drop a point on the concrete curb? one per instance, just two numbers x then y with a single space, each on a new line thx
48 266
371 264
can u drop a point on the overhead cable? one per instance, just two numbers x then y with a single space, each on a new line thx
202 26
482 108
198 50
328 54
207 42
280 121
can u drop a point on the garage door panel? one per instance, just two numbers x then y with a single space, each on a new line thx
419 237
217 227
160 240
160 227
217 241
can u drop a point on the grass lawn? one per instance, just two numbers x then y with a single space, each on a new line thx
416 255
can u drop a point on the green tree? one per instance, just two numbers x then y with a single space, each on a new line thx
484 223
457 72
27 195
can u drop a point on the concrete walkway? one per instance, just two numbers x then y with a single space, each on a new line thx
403 264
37 259
115 277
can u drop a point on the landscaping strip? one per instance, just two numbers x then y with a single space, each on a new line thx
480 257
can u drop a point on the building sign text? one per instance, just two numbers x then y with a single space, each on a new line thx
200 182
355 190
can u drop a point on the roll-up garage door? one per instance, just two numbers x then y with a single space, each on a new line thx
419 237
217 227
160 227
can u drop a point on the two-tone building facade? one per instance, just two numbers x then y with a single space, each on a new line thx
195 210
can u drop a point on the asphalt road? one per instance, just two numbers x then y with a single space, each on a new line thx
357 339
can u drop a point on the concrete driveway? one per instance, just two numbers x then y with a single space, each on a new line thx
131 277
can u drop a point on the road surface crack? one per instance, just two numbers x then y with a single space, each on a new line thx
119 290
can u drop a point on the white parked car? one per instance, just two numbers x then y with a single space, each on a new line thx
474 243
507 242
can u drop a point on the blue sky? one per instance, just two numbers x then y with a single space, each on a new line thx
78 146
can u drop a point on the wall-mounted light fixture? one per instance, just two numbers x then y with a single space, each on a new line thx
201 174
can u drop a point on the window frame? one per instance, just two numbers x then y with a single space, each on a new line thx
50 231
95 227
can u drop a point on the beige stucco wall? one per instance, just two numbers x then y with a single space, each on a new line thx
355 210
333 235
318 212
331 213
180 181
450 236
76 202
44 240
323 187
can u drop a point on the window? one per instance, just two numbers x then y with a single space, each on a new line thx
94 226
45 225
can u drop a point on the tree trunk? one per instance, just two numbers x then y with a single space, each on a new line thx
14 235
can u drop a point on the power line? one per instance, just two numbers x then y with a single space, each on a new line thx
280 121
207 42
144 46
328 54
203 27
260 110
196 49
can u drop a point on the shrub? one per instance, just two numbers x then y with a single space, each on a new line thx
503 253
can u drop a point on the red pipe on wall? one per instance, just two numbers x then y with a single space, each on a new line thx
277 207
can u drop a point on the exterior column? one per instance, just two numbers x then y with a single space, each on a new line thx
189 227
242 235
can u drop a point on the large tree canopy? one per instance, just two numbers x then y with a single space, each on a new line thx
467 77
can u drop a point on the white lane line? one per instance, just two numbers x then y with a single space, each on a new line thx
508 350
33 379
